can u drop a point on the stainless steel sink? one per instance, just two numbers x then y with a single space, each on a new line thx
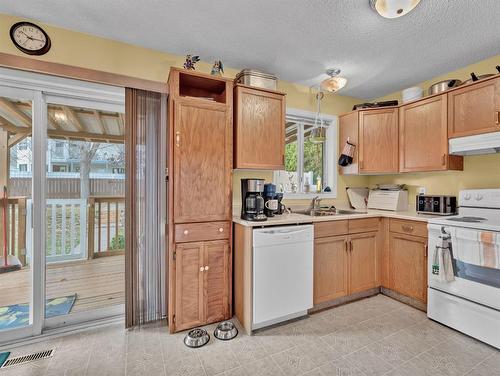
322 212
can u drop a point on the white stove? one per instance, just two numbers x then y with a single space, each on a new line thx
464 267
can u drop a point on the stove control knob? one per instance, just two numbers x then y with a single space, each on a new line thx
467 196
479 197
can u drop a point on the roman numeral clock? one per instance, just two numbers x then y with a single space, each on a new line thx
30 38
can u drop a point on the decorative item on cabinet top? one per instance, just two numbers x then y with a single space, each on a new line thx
190 62
256 78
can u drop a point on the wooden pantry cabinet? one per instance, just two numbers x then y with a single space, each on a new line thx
200 197
345 264
423 137
474 109
259 128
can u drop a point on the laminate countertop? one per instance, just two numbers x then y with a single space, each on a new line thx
296 218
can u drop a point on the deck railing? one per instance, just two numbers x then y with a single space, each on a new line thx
15 227
106 227
66 236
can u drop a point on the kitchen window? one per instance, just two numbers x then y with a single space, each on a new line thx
309 167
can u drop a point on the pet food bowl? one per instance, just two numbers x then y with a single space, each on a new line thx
196 338
225 331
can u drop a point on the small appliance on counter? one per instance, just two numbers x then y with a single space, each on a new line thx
270 200
358 197
252 202
439 205
281 206
395 200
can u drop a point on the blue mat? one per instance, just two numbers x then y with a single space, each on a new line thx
17 315
3 357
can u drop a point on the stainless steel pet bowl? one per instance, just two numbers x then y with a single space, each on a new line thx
196 338
225 331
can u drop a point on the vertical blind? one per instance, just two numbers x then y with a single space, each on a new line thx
145 260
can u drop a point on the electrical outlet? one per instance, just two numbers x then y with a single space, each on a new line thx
422 190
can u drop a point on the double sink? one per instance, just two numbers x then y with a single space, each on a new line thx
328 211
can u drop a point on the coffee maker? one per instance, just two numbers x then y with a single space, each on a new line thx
270 200
252 202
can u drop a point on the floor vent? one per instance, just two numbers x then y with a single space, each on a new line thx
28 358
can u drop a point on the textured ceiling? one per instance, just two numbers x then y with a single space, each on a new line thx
295 39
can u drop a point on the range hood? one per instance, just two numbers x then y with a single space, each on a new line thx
487 143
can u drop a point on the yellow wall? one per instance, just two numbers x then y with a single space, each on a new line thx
479 171
83 50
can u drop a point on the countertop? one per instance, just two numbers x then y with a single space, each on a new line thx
295 218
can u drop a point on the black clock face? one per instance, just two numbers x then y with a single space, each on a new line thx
30 38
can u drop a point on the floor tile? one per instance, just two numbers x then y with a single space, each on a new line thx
368 362
340 367
489 367
306 357
218 357
348 340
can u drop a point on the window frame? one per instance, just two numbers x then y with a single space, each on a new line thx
329 155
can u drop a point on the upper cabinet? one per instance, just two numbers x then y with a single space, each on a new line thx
378 141
348 131
259 128
474 109
423 137
375 134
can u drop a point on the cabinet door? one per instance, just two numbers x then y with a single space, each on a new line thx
189 299
423 135
260 129
474 109
330 268
363 270
216 280
378 141
408 265
202 162
348 129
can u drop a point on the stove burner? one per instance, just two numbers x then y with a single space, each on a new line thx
467 219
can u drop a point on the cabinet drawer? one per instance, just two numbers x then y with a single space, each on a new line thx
363 225
408 227
330 228
193 232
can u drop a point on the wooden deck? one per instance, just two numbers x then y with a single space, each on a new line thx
97 283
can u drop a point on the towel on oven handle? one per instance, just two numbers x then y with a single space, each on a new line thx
442 265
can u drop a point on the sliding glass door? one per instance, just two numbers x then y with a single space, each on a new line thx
62 161
85 211
18 314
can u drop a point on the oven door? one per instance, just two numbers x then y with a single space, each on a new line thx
476 264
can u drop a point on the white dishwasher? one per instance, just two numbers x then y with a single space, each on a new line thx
282 273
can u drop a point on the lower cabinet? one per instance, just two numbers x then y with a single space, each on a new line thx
330 268
408 265
344 265
202 283
363 269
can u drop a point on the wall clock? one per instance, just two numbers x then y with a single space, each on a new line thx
30 38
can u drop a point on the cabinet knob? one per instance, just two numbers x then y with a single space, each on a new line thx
407 228
221 229
206 268
186 232
201 268
497 121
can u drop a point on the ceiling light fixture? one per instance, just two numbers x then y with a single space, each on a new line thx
393 8
334 82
